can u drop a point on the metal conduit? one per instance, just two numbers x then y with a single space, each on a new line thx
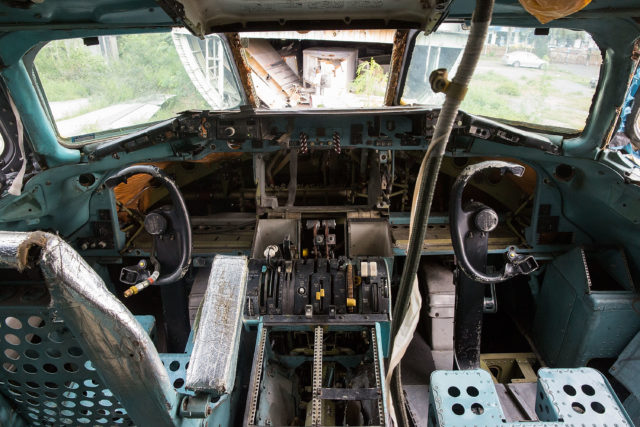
426 183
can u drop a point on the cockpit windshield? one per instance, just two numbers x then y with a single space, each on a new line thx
104 86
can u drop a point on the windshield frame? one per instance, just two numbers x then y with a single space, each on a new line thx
399 48
394 93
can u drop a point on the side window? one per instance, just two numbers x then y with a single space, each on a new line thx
129 80
547 81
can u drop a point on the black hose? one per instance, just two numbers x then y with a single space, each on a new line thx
184 236
426 183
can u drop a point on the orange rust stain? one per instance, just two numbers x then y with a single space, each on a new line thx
132 194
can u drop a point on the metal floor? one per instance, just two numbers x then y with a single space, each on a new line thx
517 399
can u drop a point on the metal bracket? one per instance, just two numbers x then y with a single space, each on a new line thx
491 302
316 414
196 406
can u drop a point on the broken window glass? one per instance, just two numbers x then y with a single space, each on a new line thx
133 79
338 69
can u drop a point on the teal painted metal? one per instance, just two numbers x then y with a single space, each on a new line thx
616 43
39 127
35 122
579 396
585 308
148 323
627 368
176 364
632 406
455 395
613 29
68 14
383 329
597 206
8 415
49 380
596 189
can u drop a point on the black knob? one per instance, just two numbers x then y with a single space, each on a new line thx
486 220
155 224
229 131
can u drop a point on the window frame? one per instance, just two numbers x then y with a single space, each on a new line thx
552 130
77 141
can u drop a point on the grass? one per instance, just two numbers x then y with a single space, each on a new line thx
146 64
508 88
149 65
547 97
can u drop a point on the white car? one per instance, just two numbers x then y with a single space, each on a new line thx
523 59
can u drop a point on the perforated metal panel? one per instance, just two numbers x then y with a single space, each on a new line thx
45 372
580 396
568 397
177 364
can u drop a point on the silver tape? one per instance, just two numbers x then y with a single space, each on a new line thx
120 350
212 367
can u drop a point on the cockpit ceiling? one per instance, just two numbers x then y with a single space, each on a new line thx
207 16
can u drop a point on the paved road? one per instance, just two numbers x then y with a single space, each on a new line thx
517 73
112 117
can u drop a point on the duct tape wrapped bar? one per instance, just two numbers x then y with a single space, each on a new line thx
84 311
212 367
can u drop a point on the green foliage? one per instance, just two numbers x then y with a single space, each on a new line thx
508 87
528 98
67 70
371 80
146 65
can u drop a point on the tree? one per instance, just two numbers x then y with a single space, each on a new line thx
370 79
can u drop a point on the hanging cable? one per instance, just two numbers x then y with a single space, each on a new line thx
423 196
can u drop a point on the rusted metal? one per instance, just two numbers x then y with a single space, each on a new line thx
635 56
399 45
264 74
244 71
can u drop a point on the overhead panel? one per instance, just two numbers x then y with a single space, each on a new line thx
207 16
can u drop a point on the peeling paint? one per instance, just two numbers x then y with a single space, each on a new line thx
397 56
